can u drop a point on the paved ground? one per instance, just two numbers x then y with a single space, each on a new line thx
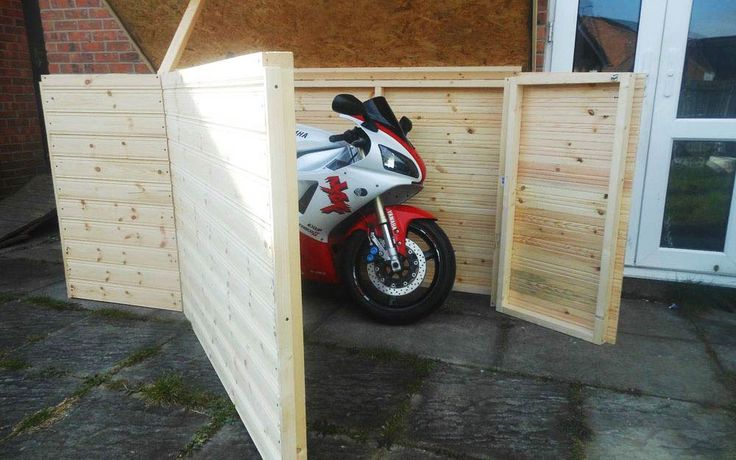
91 381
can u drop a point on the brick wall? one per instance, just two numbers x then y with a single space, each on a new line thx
541 25
21 148
83 36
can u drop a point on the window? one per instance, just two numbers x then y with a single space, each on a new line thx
709 75
605 39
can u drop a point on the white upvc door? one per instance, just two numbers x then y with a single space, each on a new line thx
688 212
646 61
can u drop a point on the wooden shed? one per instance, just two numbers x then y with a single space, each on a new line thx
161 206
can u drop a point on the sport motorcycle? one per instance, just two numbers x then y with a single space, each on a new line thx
394 259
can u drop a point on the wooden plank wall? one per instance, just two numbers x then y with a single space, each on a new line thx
457 127
570 152
110 167
231 136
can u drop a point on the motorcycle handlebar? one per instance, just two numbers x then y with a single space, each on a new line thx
348 136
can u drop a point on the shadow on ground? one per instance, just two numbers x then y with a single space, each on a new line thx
90 380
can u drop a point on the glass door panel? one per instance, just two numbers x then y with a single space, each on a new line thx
606 34
688 220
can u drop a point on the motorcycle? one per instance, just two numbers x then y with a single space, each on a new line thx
395 260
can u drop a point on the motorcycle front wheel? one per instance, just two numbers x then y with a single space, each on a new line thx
422 285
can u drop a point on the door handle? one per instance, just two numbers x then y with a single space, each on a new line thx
669 73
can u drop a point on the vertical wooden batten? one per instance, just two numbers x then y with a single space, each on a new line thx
181 36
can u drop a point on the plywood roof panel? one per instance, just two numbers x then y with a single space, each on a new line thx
340 33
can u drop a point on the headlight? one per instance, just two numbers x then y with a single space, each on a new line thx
396 162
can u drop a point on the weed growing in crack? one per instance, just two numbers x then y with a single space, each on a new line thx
575 425
48 416
14 364
33 338
170 389
53 304
221 412
50 372
9 296
140 355
394 430
43 418
112 313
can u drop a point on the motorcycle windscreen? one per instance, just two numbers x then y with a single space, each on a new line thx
231 140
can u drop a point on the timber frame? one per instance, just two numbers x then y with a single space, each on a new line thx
611 245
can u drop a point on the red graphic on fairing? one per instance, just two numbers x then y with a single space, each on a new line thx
338 198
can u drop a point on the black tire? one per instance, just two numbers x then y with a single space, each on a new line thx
423 300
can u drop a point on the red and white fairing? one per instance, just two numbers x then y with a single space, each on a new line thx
336 180
345 180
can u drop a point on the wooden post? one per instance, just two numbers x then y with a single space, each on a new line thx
181 37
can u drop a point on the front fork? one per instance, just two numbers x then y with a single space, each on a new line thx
388 241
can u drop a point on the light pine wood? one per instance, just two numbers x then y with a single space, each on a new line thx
110 167
233 167
457 115
181 36
569 149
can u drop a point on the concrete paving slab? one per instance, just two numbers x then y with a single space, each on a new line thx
663 367
21 322
459 339
22 394
641 427
336 447
352 392
718 326
469 304
95 345
408 453
25 275
183 355
231 442
654 319
45 248
727 357
109 424
490 415
319 301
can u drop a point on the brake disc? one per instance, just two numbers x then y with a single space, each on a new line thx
409 279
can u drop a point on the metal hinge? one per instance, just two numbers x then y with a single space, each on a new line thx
550 24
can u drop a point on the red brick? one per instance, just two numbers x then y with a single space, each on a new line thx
129 57
76 13
89 3
110 24
52 15
142 68
104 35
90 24
100 13
62 4
121 68
106 57
65 25
93 46
81 57
118 46
77 36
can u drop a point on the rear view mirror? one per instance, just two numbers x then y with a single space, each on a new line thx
347 104
405 124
